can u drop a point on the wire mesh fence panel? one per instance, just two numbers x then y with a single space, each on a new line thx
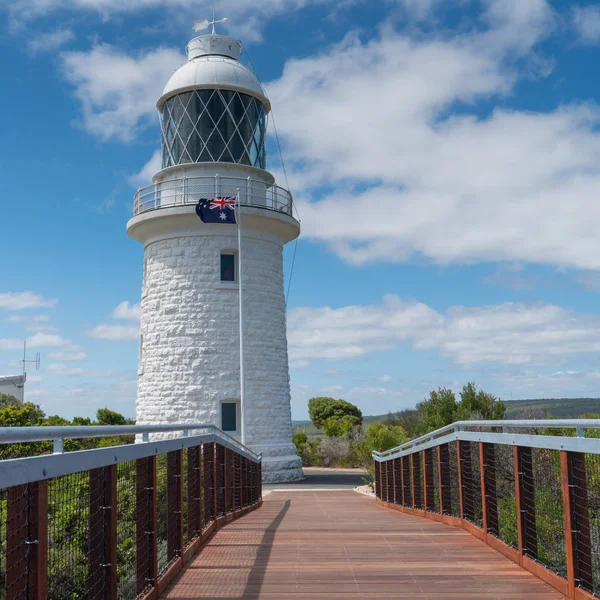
453 479
548 504
161 512
220 481
126 530
432 501
584 491
184 491
69 541
237 500
193 495
398 480
174 502
17 552
2 544
506 501
145 524
389 466
406 482
417 479
474 487
208 456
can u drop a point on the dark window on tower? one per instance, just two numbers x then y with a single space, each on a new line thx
229 416
227 267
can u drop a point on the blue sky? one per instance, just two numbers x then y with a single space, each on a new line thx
444 160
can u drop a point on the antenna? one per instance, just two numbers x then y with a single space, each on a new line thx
26 360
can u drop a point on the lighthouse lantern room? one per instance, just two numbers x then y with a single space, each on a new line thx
200 276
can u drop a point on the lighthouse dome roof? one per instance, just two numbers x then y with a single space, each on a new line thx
213 64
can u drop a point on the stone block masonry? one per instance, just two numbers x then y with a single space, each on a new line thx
189 347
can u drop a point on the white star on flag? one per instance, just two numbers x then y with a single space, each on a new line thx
222 216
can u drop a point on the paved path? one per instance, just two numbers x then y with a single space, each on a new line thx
343 545
319 477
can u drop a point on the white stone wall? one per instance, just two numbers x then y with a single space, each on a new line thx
189 359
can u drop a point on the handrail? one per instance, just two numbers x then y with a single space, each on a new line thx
578 424
180 191
15 435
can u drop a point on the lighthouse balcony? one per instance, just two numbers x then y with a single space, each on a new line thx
181 191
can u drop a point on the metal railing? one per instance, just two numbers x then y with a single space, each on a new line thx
530 489
116 522
189 190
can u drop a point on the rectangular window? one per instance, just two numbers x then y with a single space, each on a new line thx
229 416
227 267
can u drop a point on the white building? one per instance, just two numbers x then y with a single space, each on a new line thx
213 115
13 386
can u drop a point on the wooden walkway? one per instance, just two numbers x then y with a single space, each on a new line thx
343 545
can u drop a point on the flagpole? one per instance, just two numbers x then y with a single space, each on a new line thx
242 379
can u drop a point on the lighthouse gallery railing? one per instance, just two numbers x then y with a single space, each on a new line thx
530 489
117 521
188 190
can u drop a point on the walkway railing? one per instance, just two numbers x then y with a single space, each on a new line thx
189 190
118 521
530 489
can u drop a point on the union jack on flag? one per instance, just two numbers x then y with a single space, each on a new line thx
217 210
223 203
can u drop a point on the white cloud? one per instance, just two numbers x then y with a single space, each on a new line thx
586 21
247 17
51 41
426 181
144 177
132 312
11 344
115 332
49 340
67 356
24 300
512 334
385 378
28 318
118 92
65 370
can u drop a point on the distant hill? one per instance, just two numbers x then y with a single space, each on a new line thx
562 408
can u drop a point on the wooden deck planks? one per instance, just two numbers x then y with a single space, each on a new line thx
343 545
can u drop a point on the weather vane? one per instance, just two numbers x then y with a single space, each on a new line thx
205 23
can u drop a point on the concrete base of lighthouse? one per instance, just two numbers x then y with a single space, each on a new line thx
280 464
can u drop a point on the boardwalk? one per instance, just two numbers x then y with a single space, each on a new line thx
339 544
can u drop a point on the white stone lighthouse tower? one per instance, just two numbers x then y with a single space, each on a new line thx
213 114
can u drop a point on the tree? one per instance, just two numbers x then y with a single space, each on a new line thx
105 416
477 404
379 437
438 411
333 427
322 408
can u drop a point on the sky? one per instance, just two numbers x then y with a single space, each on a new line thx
444 160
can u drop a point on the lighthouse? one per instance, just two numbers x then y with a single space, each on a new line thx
213 345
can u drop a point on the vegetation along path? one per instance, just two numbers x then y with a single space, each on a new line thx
341 544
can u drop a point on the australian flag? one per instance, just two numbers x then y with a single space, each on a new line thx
217 210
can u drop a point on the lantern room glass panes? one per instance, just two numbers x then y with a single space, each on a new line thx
213 126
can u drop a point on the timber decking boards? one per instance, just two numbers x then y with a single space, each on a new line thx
343 545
